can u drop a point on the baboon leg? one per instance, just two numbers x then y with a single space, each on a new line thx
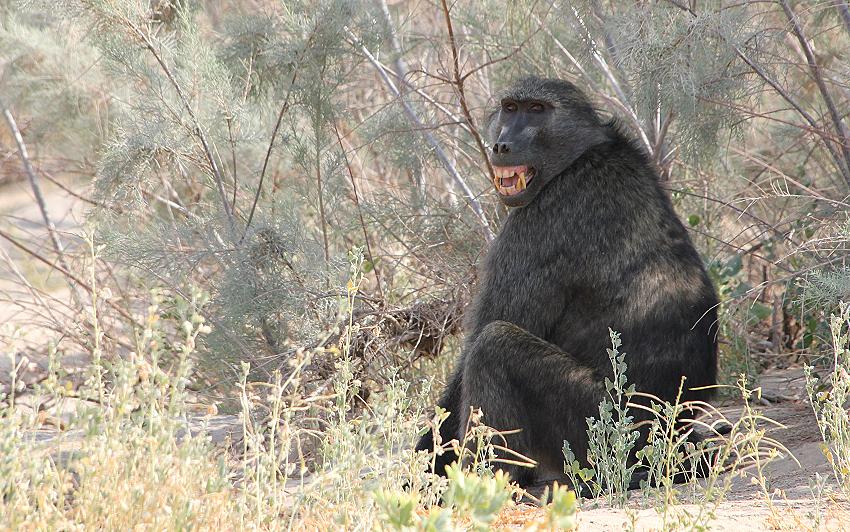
520 381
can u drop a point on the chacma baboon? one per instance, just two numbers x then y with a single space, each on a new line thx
591 243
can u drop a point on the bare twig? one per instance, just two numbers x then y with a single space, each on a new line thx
283 109
458 120
779 233
458 84
39 197
229 120
64 271
360 214
321 195
71 192
429 138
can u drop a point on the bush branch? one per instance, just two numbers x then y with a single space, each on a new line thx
815 68
429 138
461 93
39 197
198 131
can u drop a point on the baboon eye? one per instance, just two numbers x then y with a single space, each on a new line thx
509 107
536 107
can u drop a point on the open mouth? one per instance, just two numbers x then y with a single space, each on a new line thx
511 180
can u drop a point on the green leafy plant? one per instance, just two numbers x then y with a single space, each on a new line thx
828 397
669 452
480 498
611 437
561 512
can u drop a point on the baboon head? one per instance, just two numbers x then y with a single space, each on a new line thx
539 129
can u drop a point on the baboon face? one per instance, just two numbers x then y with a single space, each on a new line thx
540 127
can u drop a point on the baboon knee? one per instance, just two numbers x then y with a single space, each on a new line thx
496 336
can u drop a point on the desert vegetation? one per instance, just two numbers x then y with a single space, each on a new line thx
237 240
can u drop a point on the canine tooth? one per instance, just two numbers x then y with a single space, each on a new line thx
521 183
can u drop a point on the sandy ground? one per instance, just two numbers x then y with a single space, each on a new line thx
790 506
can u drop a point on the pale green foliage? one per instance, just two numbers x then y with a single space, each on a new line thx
683 64
561 512
826 288
829 396
398 512
480 498
669 451
397 508
611 438
42 59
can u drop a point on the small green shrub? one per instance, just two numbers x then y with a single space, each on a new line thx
476 497
669 451
829 396
561 514
611 438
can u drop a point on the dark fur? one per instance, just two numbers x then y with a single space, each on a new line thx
595 245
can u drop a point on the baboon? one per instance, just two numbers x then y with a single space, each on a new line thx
591 242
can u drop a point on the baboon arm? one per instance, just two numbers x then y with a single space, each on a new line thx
526 384
506 355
